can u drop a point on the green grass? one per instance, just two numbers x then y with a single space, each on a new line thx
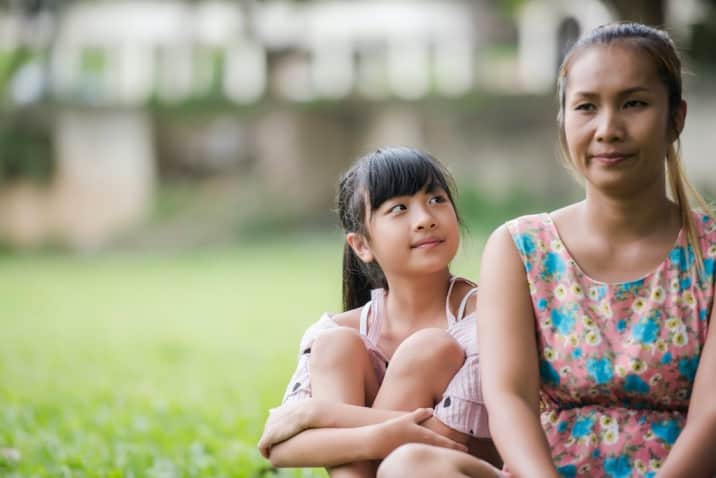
155 365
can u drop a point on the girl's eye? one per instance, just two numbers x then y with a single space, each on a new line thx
437 199
585 107
397 208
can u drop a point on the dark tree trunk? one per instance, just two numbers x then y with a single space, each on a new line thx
649 12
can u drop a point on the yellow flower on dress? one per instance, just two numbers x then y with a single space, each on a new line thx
541 246
661 346
560 291
577 291
682 394
712 251
638 366
689 299
573 340
655 379
593 337
605 309
556 245
673 323
638 305
674 286
640 466
680 339
654 464
570 441
621 370
550 354
606 421
584 469
588 321
658 294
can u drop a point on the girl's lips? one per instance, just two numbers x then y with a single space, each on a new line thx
427 243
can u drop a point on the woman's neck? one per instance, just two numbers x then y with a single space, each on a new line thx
624 219
414 302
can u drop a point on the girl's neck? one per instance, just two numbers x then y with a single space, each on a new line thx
624 219
417 301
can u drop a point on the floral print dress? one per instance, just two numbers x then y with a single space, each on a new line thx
617 360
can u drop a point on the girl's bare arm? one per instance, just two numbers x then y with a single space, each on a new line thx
337 446
509 361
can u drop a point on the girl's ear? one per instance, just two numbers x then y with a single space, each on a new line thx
360 246
679 119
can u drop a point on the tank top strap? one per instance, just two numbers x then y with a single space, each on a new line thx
372 315
365 310
463 305
448 313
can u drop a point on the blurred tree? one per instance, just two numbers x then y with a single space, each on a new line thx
650 12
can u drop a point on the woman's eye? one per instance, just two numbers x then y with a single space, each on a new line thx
634 104
585 107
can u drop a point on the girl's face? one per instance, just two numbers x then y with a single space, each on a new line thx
414 234
616 119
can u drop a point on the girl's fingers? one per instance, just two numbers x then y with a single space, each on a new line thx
263 447
421 414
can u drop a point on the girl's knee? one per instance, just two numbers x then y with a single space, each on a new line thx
336 346
430 348
412 460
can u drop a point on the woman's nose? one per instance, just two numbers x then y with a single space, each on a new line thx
609 126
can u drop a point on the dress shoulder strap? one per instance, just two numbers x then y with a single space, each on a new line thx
364 318
463 304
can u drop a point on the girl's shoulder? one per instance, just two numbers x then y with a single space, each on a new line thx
349 318
462 298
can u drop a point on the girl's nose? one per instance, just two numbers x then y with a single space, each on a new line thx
425 221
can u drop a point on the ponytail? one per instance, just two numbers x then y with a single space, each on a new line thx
358 279
680 189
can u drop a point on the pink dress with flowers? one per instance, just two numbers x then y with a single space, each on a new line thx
617 360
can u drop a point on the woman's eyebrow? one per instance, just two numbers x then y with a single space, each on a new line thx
625 92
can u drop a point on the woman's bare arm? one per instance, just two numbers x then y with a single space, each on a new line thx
693 453
509 361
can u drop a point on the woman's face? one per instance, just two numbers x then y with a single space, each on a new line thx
616 119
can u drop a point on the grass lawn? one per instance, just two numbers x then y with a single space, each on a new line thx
158 366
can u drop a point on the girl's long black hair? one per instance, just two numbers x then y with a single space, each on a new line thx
372 180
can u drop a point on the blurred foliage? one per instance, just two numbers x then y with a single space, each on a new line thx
26 150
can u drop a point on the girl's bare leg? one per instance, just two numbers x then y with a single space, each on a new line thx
425 461
341 371
420 370
418 375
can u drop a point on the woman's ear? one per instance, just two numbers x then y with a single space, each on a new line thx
360 246
679 120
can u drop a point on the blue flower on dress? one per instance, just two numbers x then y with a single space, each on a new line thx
685 283
688 366
683 257
621 326
553 264
582 427
567 471
524 244
542 304
667 430
634 383
666 358
547 373
596 453
562 426
703 314
617 466
577 353
650 474
645 331
600 370
563 320
709 266
598 292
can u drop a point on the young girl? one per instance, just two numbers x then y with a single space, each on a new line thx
593 360
406 340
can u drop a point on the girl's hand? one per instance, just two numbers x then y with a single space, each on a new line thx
285 422
409 429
